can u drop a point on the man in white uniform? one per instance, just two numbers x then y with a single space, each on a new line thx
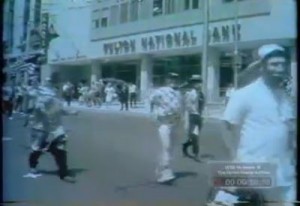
264 114
166 104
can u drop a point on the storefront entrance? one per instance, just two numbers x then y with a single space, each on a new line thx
123 71
185 66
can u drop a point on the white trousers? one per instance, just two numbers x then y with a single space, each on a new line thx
167 137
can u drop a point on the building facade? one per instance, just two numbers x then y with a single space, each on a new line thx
21 23
140 41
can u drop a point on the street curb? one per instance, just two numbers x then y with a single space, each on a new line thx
131 113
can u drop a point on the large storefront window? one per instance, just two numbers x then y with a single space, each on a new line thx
185 66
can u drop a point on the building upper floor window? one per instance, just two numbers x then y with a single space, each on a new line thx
124 13
195 4
191 4
186 4
37 12
169 6
104 22
104 17
95 19
114 15
157 7
134 7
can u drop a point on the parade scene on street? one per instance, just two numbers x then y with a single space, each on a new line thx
149 102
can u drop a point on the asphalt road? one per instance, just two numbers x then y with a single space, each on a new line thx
113 156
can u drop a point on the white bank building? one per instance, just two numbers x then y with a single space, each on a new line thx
140 41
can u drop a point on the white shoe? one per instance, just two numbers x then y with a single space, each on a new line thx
33 173
166 176
226 198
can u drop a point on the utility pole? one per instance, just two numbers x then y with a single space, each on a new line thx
205 45
237 57
27 47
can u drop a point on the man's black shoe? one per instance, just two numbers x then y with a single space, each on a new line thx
68 179
184 150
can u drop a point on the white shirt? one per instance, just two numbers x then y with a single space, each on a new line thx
265 126
65 87
132 88
192 101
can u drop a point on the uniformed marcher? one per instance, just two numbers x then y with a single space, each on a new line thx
194 104
166 105
48 133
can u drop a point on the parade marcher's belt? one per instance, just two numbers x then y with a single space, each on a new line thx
169 119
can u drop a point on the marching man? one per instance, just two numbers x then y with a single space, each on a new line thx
194 103
166 105
47 132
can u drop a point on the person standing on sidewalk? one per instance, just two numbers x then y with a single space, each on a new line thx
194 103
166 106
132 94
123 96
18 99
262 117
8 96
48 134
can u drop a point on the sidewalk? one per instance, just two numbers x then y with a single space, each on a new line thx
210 112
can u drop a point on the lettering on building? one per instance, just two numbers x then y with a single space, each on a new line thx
225 33
169 41
120 47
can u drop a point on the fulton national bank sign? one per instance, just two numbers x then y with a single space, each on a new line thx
171 40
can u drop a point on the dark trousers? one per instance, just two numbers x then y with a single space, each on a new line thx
18 104
8 107
60 157
124 103
132 99
68 99
194 120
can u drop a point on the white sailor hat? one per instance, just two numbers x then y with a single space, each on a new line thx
173 75
195 78
265 50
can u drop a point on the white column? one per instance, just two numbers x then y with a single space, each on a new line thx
146 76
213 75
294 70
95 71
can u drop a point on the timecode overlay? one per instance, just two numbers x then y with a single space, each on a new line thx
243 175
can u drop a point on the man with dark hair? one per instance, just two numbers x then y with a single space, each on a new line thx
194 103
165 103
262 117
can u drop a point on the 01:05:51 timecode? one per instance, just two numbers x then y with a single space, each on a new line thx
242 182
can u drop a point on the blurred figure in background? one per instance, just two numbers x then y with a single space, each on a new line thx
132 94
123 94
109 94
8 96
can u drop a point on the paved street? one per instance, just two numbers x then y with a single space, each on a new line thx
113 155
